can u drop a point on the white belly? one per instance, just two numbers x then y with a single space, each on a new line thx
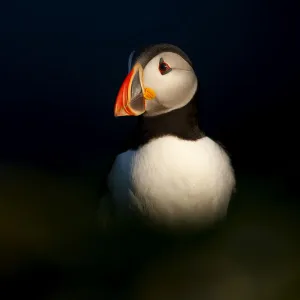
174 180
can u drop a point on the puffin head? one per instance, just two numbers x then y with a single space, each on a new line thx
161 80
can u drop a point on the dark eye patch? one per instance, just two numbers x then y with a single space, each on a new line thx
163 67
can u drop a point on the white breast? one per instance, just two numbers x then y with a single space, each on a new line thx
174 180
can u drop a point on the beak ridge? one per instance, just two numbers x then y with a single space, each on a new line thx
130 100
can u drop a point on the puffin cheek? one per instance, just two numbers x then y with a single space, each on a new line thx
170 99
152 105
163 97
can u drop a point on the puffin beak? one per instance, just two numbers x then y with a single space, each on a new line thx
132 96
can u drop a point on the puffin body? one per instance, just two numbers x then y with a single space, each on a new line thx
174 180
172 172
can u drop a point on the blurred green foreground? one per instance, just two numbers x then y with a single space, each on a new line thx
51 247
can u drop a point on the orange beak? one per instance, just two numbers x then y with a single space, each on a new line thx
130 100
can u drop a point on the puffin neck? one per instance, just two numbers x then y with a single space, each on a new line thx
182 123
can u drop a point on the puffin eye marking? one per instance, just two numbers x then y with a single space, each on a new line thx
163 67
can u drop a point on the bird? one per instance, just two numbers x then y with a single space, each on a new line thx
171 173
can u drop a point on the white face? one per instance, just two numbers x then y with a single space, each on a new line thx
172 79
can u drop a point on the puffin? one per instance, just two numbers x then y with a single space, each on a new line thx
170 172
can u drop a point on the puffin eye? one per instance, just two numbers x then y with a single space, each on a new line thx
163 67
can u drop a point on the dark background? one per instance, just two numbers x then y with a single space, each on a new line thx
61 65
